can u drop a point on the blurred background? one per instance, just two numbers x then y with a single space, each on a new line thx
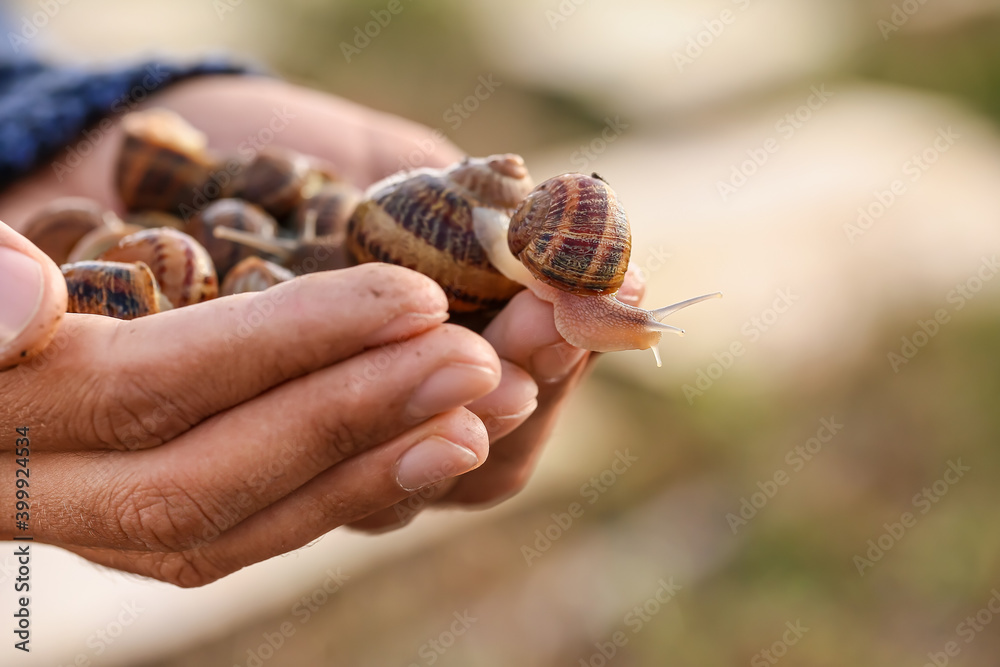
812 478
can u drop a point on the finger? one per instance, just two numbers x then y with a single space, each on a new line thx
252 455
525 334
405 511
151 379
440 448
513 457
634 287
506 407
32 298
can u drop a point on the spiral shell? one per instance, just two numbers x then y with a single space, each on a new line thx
91 246
497 181
330 210
423 220
573 234
181 266
276 180
163 164
254 274
123 291
235 214
58 227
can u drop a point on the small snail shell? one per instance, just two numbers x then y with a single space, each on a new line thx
254 274
124 291
277 180
163 163
96 242
426 220
181 266
329 210
57 228
235 214
573 236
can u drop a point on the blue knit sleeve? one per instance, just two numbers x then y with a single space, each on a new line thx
44 108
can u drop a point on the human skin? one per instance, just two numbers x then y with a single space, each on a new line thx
172 447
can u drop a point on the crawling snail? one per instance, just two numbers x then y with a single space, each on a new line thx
479 228
481 231
568 241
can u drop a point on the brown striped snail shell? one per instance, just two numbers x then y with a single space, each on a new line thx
235 214
59 226
181 266
426 220
277 180
254 274
572 233
91 246
121 290
163 163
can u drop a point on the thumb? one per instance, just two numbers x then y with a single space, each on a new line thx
32 298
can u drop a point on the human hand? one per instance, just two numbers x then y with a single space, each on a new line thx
365 145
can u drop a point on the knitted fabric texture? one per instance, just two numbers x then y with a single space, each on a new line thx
44 108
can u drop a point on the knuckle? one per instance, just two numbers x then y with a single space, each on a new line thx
187 569
131 413
163 518
342 436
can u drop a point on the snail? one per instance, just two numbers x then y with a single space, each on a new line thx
569 242
479 228
312 251
425 220
163 163
58 227
278 180
233 214
120 290
327 212
181 266
483 233
254 274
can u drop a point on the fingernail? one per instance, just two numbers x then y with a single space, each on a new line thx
553 363
451 387
496 423
21 288
431 461
407 326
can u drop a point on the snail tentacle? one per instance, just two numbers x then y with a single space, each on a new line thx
659 313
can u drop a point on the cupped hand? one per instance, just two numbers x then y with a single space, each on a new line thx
188 444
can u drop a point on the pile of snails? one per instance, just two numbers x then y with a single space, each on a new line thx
201 226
